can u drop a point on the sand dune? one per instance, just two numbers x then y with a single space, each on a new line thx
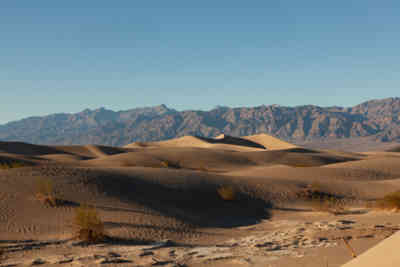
220 160
385 254
90 151
181 157
170 190
270 142
388 165
20 148
223 142
7 159
356 144
394 149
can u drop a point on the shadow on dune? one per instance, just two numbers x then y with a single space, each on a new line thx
24 245
20 148
293 209
121 209
300 150
117 241
110 225
16 241
194 202
230 140
66 203
394 149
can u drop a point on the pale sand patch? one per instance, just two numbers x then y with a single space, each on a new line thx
385 254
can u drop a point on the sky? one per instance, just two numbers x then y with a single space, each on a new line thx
66 56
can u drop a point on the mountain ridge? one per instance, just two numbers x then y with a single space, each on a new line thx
378 119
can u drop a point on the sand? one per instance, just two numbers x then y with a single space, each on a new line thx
385 254
160 203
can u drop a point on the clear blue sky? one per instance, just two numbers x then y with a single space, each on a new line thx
65 56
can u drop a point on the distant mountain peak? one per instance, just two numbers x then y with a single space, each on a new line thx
379 119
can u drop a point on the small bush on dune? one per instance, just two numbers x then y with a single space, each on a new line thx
322 200
11 165
2 254
169 164
332 205
88 224
227 193
45 192
390 201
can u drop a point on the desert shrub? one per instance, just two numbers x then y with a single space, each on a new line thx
2 254
169 164
331 204
322 200
11 165
226 193
88 224
45 191
202 168
390 201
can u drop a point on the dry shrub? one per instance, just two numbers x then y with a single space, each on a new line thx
202 168
169 164
332 205
227 193
2 254
45 191
88 224
390 201
11 165
322 200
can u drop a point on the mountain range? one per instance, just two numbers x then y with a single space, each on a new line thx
376 119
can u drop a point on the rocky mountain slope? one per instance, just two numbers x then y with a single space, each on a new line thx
379 119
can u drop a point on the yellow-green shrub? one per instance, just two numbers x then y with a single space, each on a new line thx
169 164
45 191
11 165
88 224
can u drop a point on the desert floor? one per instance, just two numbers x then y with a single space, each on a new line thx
163 203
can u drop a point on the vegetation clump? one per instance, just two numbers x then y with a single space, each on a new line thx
11 165
45 191
332 205
169 164
322 200
390 201
88 224
226 193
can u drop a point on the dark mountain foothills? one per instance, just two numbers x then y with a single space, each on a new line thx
377 119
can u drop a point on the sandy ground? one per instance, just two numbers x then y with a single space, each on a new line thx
160 203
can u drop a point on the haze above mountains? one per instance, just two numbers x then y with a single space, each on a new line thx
377 120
